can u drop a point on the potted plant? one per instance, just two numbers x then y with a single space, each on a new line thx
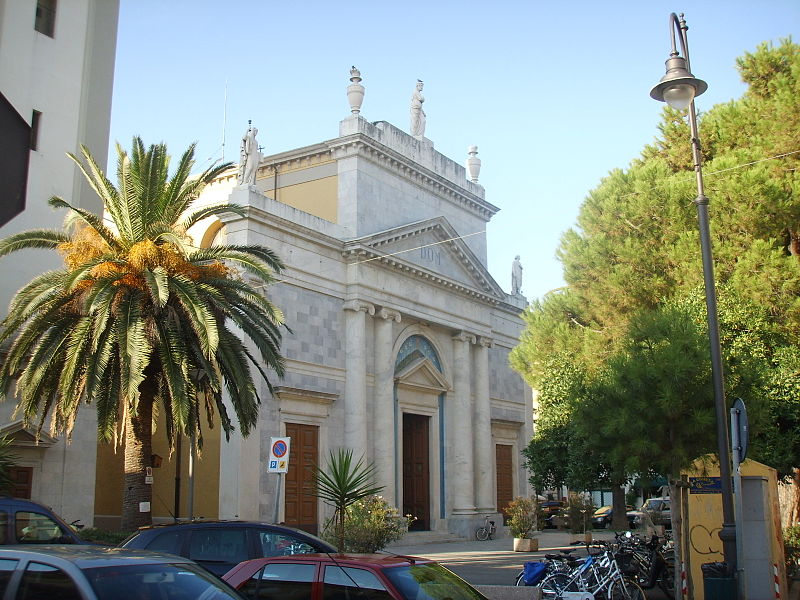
522 518
579 509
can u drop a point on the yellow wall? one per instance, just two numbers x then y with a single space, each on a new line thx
317 197
108 486
705 521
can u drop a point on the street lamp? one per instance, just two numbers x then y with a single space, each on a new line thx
678 88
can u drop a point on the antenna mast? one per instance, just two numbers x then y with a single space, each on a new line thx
224 117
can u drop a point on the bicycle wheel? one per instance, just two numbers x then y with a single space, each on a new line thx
491 533
519 580
626 590
482 534
555 584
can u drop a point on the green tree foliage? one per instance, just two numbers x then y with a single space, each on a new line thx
632 316
139 317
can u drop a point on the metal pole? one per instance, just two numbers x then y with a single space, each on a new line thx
728 532
737 488
192 454
276 514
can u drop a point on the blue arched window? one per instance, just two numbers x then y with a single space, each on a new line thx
416 347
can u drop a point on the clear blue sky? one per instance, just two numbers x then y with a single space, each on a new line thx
555 95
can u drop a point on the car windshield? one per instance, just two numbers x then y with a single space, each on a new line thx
157 582
431 581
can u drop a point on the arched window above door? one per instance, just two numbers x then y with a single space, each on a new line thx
413 348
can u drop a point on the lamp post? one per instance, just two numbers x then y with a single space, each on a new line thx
678 88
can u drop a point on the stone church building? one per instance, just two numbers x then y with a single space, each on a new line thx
398 346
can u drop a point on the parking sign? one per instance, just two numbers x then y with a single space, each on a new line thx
279 455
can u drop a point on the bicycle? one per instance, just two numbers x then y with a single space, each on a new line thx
485 531
598 574
563 562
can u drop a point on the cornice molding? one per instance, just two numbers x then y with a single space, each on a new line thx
362 253
283 393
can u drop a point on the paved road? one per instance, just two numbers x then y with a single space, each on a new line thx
493 562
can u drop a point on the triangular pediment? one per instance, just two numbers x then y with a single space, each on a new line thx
432 247
421 374
22 436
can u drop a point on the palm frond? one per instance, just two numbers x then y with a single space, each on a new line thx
158 285
91 220
174 366
133 345
129 219
234 253
35 238
201 318
97 179
238 381
77 355
210 211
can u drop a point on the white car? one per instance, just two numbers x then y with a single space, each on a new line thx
99 573
657 509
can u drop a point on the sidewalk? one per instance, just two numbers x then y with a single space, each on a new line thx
492 562
549 540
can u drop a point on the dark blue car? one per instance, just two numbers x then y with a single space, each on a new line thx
26 522
220 545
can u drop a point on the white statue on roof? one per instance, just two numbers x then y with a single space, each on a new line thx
417 114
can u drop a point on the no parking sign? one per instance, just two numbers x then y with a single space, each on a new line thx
279 455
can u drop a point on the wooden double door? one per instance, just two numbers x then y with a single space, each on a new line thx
300 505
416 470
505 477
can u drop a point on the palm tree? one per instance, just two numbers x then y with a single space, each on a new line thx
139 318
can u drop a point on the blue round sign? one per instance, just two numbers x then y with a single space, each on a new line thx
279 449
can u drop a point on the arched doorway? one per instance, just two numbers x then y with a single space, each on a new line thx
420 388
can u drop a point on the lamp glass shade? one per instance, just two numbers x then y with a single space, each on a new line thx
679 95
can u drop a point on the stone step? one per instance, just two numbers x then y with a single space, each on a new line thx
413 538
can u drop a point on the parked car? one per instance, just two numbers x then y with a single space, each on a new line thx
26 522
549 509
348 576
655 511
659 510
100 573
220 545
601 519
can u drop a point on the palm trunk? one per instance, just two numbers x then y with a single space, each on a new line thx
138 452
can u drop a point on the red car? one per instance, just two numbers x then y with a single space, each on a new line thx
348 577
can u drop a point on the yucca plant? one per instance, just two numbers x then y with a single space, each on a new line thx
140 317
343 483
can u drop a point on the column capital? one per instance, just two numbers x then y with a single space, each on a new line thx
389 314
464 336
359 305
486 342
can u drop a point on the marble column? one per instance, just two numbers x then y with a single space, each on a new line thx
355 380
460 469
484 454
383 414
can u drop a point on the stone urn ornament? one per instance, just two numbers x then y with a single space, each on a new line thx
473 164
355 91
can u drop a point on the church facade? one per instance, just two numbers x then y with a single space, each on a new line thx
397 342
